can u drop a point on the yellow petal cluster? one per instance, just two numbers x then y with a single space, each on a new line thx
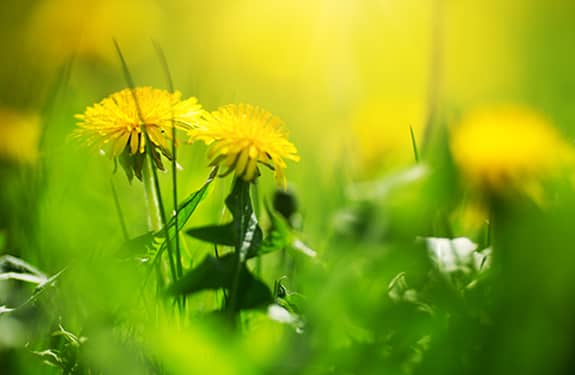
19 136
240 136
119 120
508 149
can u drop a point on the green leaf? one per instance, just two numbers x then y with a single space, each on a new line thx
12 268
137 246
278 237
243 232
246 230
27 277
210 274
217 234
281 236
218 273
414 144
185 211
4 309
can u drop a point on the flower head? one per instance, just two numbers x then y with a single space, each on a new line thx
122 120
240 136
508 149
19 136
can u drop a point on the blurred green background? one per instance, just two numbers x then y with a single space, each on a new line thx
349 78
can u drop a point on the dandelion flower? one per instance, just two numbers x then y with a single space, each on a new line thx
508 150
241 136
19 136
121 124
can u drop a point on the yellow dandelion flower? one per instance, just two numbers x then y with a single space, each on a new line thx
19 136
241 136
508 150
118 122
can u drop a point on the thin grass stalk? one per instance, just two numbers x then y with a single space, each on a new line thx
164 63
151 184
257 210
414 144
162 212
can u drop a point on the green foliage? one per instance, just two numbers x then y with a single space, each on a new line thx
218 273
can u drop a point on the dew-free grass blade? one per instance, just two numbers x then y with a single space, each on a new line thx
187 208
185 211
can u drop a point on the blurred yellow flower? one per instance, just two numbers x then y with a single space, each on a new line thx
508 150
242 135
119 123
19 136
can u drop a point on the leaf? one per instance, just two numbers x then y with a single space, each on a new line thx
4 309
137 246
210 274
243 232
414 144
9 263
27 277
301 247
12 268
217 273
217 234
278 236
452 254
281 314
281 236
50 357
185 211
247 232
42 281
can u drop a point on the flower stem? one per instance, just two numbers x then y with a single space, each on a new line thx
151 195
157 216
241 192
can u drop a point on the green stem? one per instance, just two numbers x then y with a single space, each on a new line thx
163 219
244 200
231 306
151 195
257 210
156 218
